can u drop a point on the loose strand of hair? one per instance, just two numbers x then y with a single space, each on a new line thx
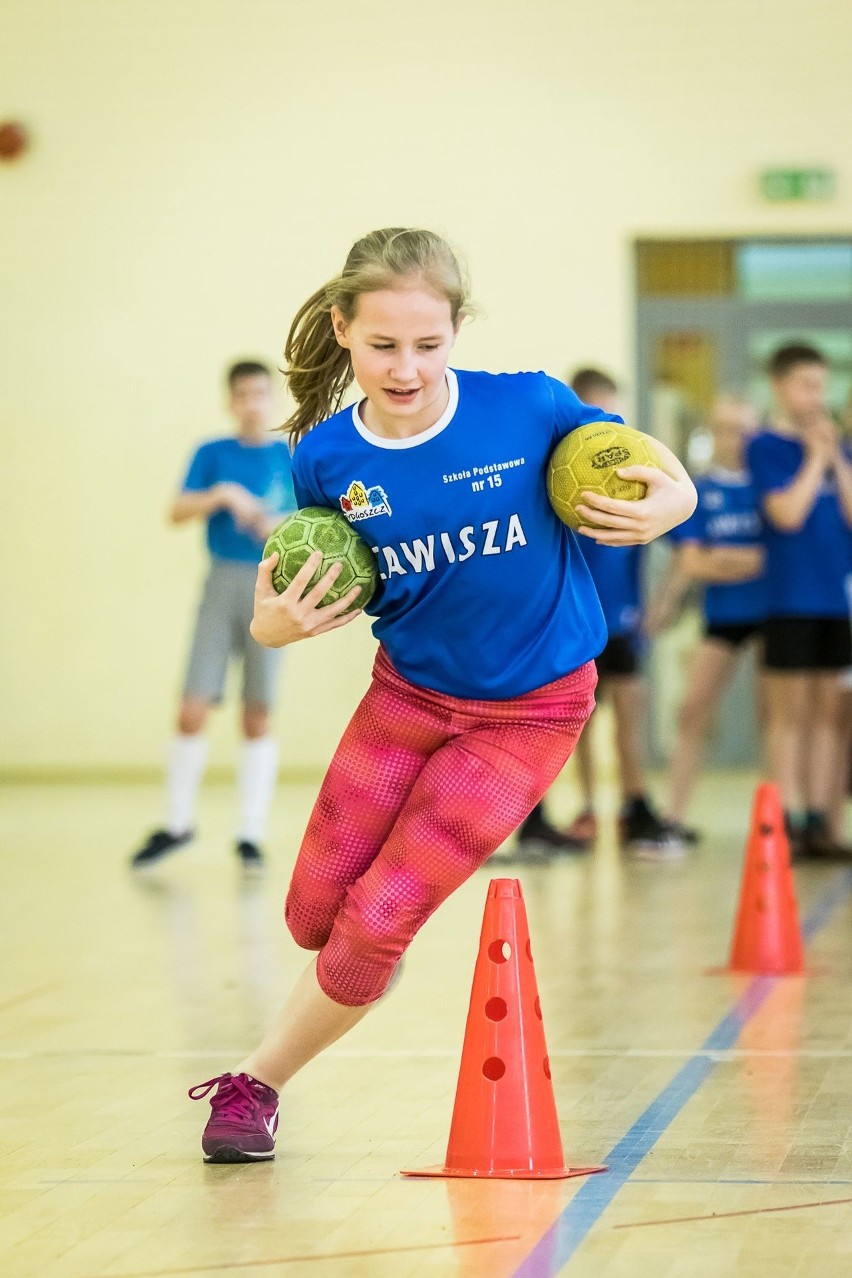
318 371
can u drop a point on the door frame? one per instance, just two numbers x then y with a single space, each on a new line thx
729 320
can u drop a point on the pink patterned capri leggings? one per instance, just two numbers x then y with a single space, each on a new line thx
421 790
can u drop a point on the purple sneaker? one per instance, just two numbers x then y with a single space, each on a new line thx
242 1127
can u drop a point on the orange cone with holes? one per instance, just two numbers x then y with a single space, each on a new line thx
767 939
504 1121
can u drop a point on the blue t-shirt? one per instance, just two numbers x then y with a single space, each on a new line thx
616 572
807 569
264 469
484 592
727 514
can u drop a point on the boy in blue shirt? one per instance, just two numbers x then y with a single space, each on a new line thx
240 486
803 477
720 547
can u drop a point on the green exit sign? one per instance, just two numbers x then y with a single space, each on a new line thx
798 184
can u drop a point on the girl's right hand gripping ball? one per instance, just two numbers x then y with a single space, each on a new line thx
320 528
587 461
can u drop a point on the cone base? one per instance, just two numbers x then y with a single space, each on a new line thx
524 1173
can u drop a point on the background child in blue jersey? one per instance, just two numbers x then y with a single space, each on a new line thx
240 486
616 572
803 477
488 622
720 548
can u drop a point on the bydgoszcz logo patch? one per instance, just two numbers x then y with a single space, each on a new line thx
360 502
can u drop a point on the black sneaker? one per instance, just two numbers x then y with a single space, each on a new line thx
538 839
683 833
250 857
159 845
643 832
814 843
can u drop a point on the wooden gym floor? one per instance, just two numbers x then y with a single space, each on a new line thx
722 1105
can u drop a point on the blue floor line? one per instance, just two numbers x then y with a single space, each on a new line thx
552 1252
825 907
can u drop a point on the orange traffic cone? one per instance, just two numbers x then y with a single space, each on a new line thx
504 1120
766 934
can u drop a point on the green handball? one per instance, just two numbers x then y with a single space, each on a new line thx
319 528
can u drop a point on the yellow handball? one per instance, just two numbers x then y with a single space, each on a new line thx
587 461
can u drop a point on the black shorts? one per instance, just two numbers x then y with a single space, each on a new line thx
734 635
807 643
619 657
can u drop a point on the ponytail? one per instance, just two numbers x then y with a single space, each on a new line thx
319 371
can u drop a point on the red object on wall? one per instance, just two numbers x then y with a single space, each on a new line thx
14 140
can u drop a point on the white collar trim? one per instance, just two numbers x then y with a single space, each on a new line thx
412 441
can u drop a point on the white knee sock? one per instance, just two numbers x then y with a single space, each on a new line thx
257 776
187 757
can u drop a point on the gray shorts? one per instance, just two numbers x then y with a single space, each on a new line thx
222 632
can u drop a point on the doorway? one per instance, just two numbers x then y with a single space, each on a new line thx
709 314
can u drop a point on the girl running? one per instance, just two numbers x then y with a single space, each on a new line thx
487 621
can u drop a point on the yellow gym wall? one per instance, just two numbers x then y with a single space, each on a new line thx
199 166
